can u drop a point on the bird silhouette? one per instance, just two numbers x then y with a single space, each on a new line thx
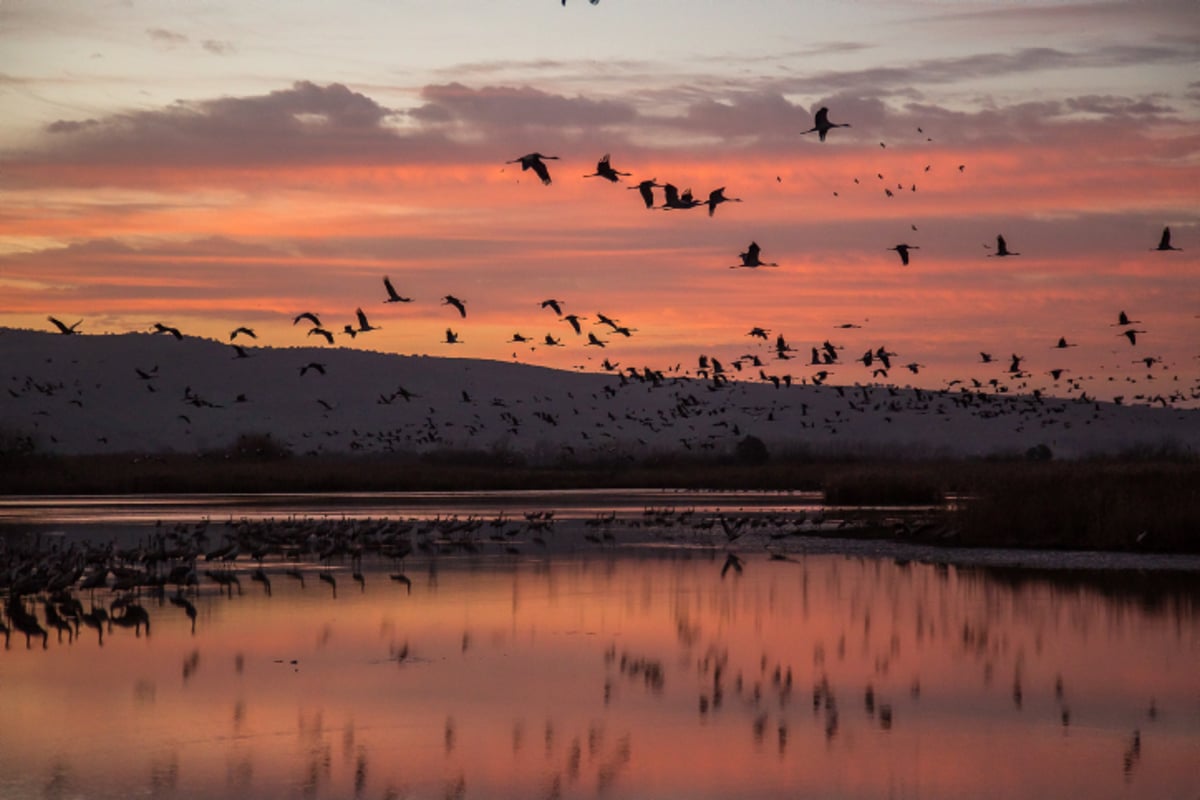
903 249
244 331
322 332
592 340
363 325
1165 242
451 300
65 329
553 305
308 315
160 328
647 191
451 337
605 170
517 338
552 342
393 295
533 161
1002 248
676 200
716 197
1131 335
750 258
1123 319
822 125
1062 343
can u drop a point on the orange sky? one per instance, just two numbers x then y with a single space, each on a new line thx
248 205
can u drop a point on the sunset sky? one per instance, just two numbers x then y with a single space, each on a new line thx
217 164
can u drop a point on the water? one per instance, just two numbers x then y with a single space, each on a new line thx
588 670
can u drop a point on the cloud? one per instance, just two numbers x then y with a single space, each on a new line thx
165 37
305 123
516 106
217 47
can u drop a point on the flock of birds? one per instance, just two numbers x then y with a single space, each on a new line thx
177 568
826 356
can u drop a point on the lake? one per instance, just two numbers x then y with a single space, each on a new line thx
627 655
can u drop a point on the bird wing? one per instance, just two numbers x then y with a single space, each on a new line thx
1165 242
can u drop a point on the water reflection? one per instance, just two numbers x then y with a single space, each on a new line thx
617 675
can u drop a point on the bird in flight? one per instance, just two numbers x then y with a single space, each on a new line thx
1165 242
1002 248
605 170
593 340
1131 335
822 125
716 197
903 249
308 315
647 191
393 295
242 330
676 200
451 300
327 334
517 338
160 328
363 325
533 161
1062 344
1123 319
553 305
750 258
451 337
573 319
65 329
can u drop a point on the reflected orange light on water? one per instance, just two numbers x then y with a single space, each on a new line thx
620 676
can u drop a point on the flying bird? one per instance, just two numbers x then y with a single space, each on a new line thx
363 325
646 188
574 320
716 197
605 170
65 329
750 258
903 249
553 305
1062 344
1131 335
822 125
308 315
451 337
533 161
1165 242
451 300
393 295
242 330
1002 248
1123 319
160 328
676 200
322 332
592 340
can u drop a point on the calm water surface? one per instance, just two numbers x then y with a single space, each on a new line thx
623 673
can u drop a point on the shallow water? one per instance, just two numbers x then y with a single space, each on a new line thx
632 673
